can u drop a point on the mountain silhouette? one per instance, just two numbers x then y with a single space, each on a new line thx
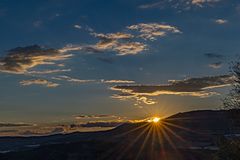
190 135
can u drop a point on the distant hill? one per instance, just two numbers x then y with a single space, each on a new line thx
193 134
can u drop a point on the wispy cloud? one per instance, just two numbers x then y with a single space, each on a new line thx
152 30
202 2
179 5
14 124
189 87
95 116
216 65
21 60
101 124
49 71
70 79
42 82
218 58
117 81
151 5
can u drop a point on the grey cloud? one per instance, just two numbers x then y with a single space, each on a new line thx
198 87
214 55
21 60
34 132
101 124
106 60
9 131
14 124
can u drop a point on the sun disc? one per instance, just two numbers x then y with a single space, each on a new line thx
156 119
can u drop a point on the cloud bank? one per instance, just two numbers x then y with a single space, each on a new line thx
198 87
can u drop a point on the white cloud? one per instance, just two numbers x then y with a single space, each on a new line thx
221 21
77 26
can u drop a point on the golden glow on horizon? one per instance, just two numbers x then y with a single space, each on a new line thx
154 120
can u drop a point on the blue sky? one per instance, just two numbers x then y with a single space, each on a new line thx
130 59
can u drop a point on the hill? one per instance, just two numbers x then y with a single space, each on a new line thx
190 135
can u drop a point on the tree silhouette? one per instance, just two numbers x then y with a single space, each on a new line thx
232 101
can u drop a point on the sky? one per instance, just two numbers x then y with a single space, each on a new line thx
69 65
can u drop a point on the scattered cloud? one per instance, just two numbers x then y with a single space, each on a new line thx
96 116
49 71
118 81
70 79
124 43
21 60
198 87
152 5
77 26
113 36
117 42
221 21
179 5
201 2
216 65
42 82
37 23
152 30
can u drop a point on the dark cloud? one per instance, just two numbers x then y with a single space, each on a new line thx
9 131
21 60
189 87
14 125
106 60
214 55
101 124
56 130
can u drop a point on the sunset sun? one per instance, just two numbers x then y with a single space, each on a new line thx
155 119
